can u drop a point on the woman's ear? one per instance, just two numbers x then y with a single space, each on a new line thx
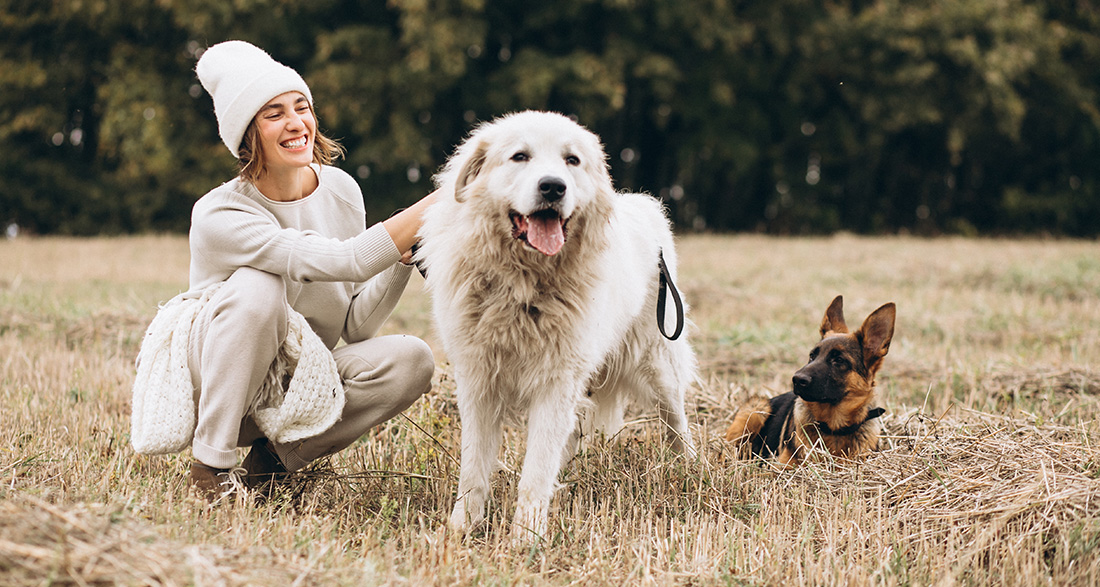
470 170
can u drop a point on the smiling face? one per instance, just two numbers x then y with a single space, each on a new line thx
535 170
286 129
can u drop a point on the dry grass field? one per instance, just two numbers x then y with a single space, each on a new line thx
989 472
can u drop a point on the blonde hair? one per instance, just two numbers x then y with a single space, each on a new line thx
250 157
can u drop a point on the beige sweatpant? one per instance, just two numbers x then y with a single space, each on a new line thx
233 343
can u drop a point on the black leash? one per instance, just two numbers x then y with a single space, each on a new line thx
666 283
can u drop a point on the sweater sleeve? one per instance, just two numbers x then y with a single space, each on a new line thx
231 231
375 302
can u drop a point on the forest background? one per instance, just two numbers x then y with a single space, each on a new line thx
971 117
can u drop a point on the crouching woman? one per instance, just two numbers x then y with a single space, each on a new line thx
283 267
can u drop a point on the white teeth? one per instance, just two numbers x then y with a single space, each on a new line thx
296 143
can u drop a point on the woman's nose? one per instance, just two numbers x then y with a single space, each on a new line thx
295 121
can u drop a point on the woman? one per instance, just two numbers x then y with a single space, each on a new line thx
286 239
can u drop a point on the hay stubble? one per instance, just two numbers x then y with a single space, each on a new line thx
988 474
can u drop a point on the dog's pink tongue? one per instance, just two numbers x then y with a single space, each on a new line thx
545 234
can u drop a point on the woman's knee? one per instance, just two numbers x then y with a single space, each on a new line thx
258 298
420 361
404 362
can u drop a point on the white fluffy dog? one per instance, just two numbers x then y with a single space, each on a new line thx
544 283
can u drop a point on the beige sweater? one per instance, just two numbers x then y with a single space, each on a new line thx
327 257
319 244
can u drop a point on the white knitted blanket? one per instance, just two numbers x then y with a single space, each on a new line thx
163 409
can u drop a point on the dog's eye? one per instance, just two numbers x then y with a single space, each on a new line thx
572 160
839 362
520 157
813 355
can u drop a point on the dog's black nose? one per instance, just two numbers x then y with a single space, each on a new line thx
551 189
802 381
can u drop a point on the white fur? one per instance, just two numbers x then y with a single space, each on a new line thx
537 333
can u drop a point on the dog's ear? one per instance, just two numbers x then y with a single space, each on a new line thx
875 334
470 169
833 322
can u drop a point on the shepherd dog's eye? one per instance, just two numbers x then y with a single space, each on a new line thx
520 157
572 160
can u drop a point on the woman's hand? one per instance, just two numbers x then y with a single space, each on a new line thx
404 225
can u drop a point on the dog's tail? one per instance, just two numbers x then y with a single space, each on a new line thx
750 419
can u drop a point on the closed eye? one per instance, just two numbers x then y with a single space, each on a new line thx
521 156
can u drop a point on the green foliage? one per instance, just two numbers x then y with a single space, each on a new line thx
794 116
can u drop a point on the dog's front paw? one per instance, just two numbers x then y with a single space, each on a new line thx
523 538
684 446
529 524
467 514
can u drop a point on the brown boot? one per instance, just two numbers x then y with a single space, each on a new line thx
209 482
263 469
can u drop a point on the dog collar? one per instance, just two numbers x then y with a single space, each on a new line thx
851 428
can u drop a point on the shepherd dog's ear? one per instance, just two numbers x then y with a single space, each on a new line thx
833 322
471 167
876 333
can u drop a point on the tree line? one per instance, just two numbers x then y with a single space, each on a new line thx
787 117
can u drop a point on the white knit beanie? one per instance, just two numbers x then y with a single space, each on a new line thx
241 78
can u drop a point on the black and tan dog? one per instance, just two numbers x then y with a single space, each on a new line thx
833 402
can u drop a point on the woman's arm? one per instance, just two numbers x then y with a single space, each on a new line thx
372 305
232 231
404 225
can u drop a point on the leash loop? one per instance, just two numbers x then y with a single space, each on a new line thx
667 284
